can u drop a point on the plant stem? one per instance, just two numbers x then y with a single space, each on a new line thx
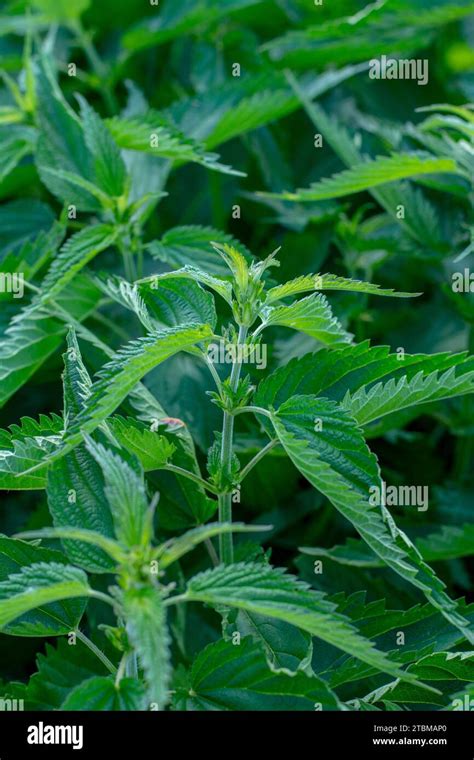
248 467
226 547
192 476
97 65
98 653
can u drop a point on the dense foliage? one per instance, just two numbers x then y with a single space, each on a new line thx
235 371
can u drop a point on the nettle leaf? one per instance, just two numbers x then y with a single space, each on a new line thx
126 494
154 135
264 590
176 548
75 485
177 20
64 161
24 445
363 176
109 168
419 213
174 301
311 315
191 246
78 251
16 142
151 449
343 373
120 376
287 648
128 295
443 670
228 677
60 670
329 282
102 693
449 543
33 335
147 630
328 448
46 587
222 287
367 405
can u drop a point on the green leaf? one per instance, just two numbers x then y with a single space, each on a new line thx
151 134
287 648
264 590
191 246
311 315
60 670
62 10
101 693
174 301
126 494
40 584
78 251
222 287
176 548
381 171
335 374
51 619
24 445
151 449
16 142
437 669
120 376
75 485
329 282
449 542
62 153
225 676
33 335
148 633
109 168
368 405
328 448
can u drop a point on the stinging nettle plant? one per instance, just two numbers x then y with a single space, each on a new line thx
140 535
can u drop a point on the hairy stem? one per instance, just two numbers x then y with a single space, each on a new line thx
98 652
191 476
248 467
226 547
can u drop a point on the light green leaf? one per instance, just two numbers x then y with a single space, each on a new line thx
151 449
309 282
380 171
53 619
41 584
191 246
120 376
126 494
367 405
176 548
222 287
311 315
